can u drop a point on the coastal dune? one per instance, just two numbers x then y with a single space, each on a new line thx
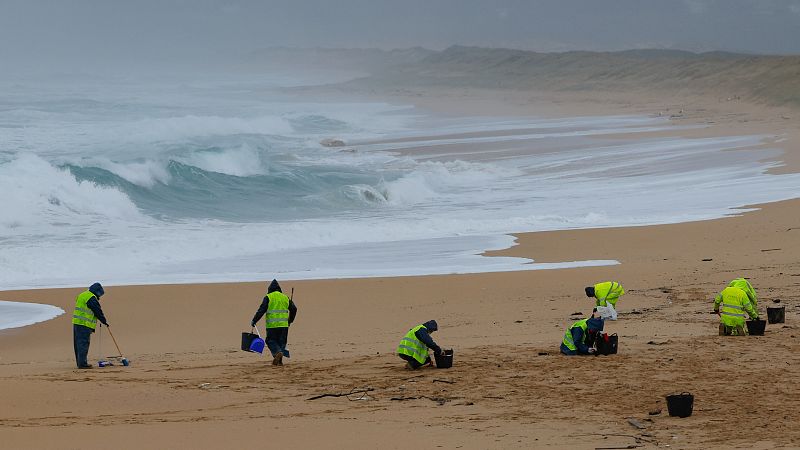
190 385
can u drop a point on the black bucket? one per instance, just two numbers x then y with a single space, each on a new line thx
756 327
247 339
445 360
776 315
680 405
607 344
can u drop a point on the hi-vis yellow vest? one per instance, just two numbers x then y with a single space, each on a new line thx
745 285
607 292
568 341
82 314
277 310
734 304
413 347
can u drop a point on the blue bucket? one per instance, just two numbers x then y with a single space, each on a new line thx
257 345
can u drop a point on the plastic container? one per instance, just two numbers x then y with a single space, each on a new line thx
776 315
445 360
680 405
756 327
257 345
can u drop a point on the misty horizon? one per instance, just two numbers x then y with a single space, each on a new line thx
53 36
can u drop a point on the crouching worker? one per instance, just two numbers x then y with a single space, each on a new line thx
579 337
280 313
414 346
735 303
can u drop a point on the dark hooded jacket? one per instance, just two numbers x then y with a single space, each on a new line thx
423 334
94 302
273 286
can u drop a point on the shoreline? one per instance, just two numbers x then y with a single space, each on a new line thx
689 126
508 388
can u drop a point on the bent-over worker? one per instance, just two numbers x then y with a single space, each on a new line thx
745 285
84 320
735 304
414 346
606 295
280 313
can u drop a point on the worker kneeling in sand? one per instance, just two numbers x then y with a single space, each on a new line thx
735 303
745 285
579 337
84 320
414 346
606 295
280 313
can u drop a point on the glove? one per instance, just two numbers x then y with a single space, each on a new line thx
105 323
252 324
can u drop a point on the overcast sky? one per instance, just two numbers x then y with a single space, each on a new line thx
33 31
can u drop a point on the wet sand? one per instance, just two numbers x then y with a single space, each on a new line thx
189 385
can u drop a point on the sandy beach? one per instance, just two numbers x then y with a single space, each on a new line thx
189 386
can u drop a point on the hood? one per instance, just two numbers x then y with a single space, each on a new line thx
431 325
595 324
97 290
274 286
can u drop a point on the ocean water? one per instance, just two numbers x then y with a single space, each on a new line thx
18 314
224 179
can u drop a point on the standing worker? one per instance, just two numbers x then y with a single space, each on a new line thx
606 295
280 312
735 303
84 320
745 285
579 337
414 346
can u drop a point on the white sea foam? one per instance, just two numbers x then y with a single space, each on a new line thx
380 207
17 314
241 162
36 194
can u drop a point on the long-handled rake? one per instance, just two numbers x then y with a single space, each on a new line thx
123 359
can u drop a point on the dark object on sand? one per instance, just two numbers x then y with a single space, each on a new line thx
445 360
756 327
680 405
607 345
776 315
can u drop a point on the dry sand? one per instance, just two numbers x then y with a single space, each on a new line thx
190 386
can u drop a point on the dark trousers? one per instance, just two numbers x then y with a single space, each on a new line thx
81 336
413 362
276 340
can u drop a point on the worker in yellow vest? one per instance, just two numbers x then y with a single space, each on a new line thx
606 295
579 337
731 305
413 348
84 320
745 285
280 312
